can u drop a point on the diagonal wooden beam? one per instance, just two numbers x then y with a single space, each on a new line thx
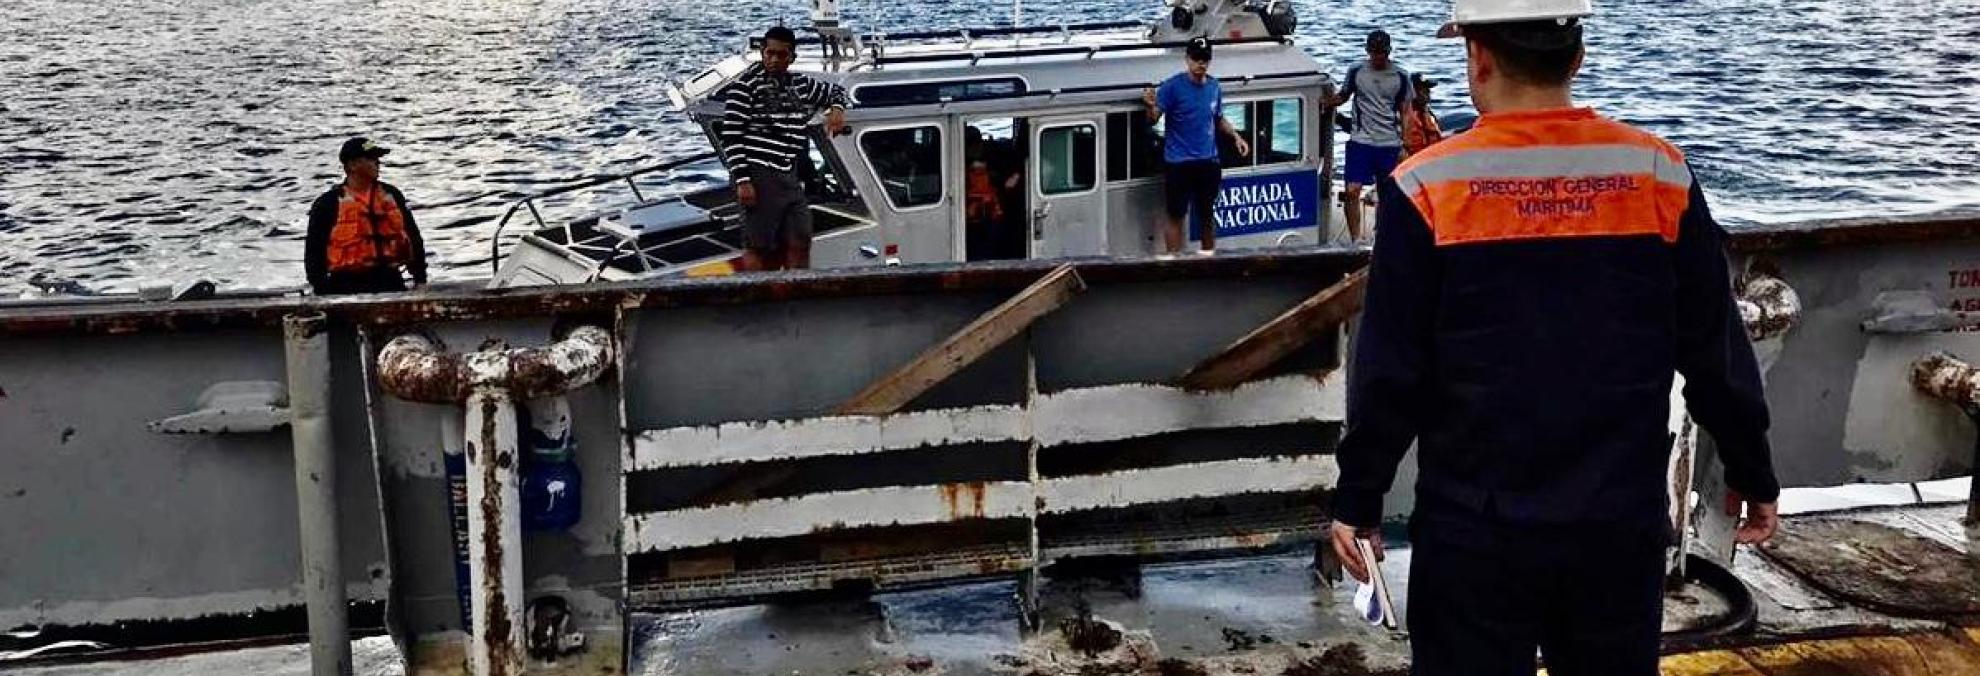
1266 345
963 348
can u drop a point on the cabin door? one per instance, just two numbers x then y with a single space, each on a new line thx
1068 207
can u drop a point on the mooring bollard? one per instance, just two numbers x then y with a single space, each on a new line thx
490 382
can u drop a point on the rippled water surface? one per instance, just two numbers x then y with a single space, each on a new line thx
174 139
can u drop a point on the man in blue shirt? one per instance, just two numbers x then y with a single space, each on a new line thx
1194 104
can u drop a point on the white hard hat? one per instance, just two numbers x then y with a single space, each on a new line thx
1501 11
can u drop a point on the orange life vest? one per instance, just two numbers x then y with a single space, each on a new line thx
980 196
370 232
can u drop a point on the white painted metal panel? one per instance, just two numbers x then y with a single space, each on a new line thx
802 515
756 441
1120 412
1184 482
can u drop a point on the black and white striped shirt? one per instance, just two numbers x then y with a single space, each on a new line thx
762 125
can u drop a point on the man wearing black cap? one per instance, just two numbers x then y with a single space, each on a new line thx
1194 104
361 235
1380 91
762 130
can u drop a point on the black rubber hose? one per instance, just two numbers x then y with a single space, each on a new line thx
1739 619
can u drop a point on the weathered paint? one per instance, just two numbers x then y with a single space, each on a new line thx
494 532
1948 378
757 441
802 515
1127 411
1768 307
308 359
1183 482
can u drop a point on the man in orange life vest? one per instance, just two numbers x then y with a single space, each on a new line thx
360 232
1537 282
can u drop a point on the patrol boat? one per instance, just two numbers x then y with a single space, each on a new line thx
1057 107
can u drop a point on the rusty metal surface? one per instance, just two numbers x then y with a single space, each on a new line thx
1879 567
1768 307
415 368
602 299
1948 378
1855 231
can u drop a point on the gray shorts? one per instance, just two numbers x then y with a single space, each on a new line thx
780 214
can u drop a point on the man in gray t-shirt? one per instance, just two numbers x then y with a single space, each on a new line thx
1380 91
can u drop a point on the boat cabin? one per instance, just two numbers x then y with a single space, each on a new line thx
986 144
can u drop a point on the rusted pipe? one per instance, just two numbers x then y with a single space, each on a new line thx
307 353
490 382
1947 377
1951 379
1769 307
414 368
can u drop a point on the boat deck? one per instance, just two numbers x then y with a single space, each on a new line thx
1265 615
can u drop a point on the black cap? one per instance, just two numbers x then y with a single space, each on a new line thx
360 147
1378 41
1198 49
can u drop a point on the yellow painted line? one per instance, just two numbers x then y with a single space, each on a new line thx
1709 663
715 269
1928 654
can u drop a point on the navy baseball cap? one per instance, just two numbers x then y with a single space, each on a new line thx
1198 49
360 147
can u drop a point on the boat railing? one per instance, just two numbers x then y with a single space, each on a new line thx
630 178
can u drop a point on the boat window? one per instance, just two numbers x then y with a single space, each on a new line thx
1280 132
1239 115
936 92
1134 146
908 163
1065 159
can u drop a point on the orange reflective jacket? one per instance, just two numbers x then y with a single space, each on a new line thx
370 233
1548 174
980 196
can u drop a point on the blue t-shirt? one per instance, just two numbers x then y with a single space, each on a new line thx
1189 112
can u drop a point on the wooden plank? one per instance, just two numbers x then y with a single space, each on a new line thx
1267 344
958 351
1712 663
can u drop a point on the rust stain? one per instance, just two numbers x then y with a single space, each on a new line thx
964 500
1947 377
498 634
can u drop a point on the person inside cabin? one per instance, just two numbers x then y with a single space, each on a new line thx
1380 92
1193 103
767 110
983 207
362 237
1536 283
1420 128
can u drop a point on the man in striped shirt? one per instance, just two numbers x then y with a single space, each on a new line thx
762 132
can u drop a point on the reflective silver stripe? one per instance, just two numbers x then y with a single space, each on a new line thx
1548 162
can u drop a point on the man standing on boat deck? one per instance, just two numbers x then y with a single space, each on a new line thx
1194 104
361 234
1537 281
1380 91
762 131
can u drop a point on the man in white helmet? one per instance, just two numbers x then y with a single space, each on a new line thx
1537 281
